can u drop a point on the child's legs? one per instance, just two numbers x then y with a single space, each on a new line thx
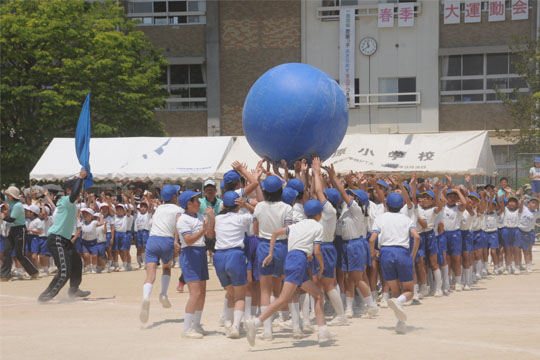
151 273
433 263
508 255
315 292
195 293
124 255
421 270
485 254
86 258
358 280
495 256
372 273
456 264
286 294
467 260
276 290
266 289
108 251
202 296
517 255
43 259
94 259
340 279
239 293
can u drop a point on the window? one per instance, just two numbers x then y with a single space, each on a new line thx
476 78
187 86
397 85
171 12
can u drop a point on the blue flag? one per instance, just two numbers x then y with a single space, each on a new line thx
82 141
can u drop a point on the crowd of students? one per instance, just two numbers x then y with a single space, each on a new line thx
300 244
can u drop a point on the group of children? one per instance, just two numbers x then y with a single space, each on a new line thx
286 244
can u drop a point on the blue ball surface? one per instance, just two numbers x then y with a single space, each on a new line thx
294 110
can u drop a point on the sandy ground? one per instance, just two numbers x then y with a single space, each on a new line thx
498 319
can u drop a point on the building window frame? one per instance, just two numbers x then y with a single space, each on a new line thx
157 15
177 102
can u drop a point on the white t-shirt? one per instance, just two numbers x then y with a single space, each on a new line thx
272 216
110 223
477 222
353 222
76 226
35 225
393 229
535 172
409 212
122 223
328 222
143 221
164 220
188 224
101 234
500 220
230 229
451 217
511 218
302 235
89 231
490 222
528 219
466 220
374 210
298 213
46 224
428 215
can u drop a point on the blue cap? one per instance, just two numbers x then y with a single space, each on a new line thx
362 196
272 184
289 195
383 183
313 207
450 191
185 197
296 184
229 197
395 200
537 159
222 185
534 199
231 176
168 191
505 201
333 195
473 194
494 201
430 193
407 186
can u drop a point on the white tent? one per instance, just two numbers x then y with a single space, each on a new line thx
136 158
466 152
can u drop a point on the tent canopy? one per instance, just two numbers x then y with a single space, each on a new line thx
136 158
458 153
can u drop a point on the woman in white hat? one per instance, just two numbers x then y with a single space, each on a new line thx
14 213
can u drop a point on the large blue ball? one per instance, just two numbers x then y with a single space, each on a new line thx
294 110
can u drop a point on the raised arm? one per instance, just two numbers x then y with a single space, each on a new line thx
317 187
337 184
253 182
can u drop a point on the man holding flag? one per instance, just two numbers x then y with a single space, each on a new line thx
66 257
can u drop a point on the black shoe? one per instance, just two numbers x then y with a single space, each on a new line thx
45 297
78 293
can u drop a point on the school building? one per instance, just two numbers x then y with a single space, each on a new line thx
406 67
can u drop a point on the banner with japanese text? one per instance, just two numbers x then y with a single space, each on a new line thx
346 52
520 9
452 12
406 14
496 10
386 15
473 11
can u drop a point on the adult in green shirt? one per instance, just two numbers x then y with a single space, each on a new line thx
66 258
210 200
14 214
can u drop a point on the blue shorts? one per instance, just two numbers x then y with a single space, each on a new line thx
194 264
421 252
296 267
32 243
535 185
101 248
430 241
231 267
525 239
329 255
509 236
453 242
368 251
275 268
2 242
396 263
338 244
142 238
492 239
478 240
467 241
89 247
251 243
441 243
43 249
354 256
122 241
108 236
159 248
78 244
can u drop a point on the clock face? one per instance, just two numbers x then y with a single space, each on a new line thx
368 46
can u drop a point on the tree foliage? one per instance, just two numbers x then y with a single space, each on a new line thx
53 53
525 110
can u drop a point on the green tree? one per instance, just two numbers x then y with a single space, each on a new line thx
525 109
52 54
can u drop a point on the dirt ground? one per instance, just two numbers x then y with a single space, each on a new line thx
498 319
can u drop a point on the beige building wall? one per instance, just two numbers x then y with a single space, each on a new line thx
183 123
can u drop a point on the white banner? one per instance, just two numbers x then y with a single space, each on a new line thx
386 15
451 12
346 53
520 9
496 10
406 15
473 11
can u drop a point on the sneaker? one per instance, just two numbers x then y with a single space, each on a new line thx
227 325
5 279
265 336
221 321
383 304
308 327
129 267
438 293
517 271
398 309
349 313
198 328
409 303
251 331
505 272
325 337
459 287
339 321
466 287
234 333
45 297
372 310
145 310
164 300
78 293
191 334
35 276
180 287
297 333
484 273
401 327
416 297
424 291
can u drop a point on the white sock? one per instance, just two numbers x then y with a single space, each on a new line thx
267 322
323 329
253 311
147 290
197 317
429 277
139 259
374 295
312 303
437 279
237 318
225 307
304 299
143 257
423 287
248 307
294 309
369 301
230 314
285 315
343 298
513 264
385 296
333 295
188 320
445 277
415 288
401 299
257 322
458 279
165 280
349 303
272 298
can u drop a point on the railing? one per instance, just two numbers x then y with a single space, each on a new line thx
330 13
387 99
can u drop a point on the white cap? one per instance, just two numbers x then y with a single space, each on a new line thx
88 210
102 205
122 206
13 191
47 210
209 182
26 207
35 209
